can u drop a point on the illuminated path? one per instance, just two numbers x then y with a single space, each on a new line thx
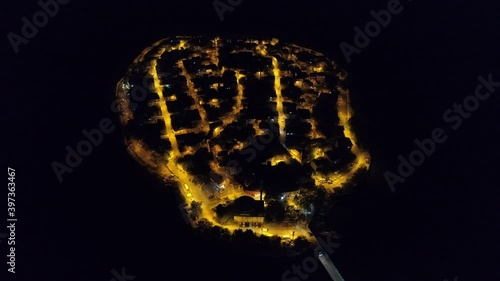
262 50
231 117
314 134
163 107
193 94
362 160
239 98
214 57
279 100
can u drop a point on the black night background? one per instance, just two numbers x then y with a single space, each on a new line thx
441 223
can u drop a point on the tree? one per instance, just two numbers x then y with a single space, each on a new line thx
275 211
301 242
305 198
204 224
196 208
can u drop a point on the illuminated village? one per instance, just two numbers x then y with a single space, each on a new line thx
248 130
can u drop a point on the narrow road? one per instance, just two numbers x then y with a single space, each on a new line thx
328 263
